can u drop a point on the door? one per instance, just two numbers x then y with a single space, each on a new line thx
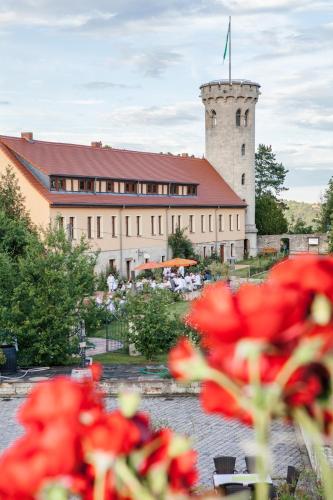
222 253
128 269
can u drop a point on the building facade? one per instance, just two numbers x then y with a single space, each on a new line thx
127 203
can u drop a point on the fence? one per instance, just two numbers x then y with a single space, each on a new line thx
116 332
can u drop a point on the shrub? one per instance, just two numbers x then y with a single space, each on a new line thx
2 358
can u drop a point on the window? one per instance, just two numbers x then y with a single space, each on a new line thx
243 149
204 251
238 118
113 226
246 118
232 250
221 223
212 250
127 226
130 187
230 223
191 190
72 184
238 222
179 221
61 222
172 224
210 223
71 228
202 223
214 120
138 225
110 186
90 185
57 184
174 189
160 229
99 233
112 264
163 258
243 179
89 227
82 185
191 223
152 188
152 224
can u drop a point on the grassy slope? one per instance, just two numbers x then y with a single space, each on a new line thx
302 210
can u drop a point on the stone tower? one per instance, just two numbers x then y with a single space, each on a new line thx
230 141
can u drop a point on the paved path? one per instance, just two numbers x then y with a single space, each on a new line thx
100 346
211 435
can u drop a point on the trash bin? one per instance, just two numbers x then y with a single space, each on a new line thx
11 359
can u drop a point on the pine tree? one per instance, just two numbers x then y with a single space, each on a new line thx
270 175
326 212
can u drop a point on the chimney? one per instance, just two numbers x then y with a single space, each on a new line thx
96 144
28 136
185 155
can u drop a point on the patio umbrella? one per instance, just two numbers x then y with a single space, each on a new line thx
177 262
147 265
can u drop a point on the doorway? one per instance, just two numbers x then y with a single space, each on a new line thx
222 253
246 248
285 246
128 268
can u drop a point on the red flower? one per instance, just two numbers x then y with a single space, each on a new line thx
310 273
215 399
182 472
184 361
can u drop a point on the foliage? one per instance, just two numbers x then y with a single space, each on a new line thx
269 174
299 227
269 216
152 329
48 300
219 269
330 236
325 217
2 357
180 244
308 212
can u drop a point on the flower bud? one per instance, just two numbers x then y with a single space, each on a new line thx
321 310
128 403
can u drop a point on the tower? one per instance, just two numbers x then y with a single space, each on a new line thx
230 141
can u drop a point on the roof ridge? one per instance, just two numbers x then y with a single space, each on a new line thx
104 148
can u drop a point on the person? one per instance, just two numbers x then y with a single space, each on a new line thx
181 271
110 282
197 280
188 282
207 275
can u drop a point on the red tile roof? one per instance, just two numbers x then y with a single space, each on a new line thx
75 160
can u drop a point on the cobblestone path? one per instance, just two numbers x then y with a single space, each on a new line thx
211 435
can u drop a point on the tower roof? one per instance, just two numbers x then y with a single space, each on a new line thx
233 82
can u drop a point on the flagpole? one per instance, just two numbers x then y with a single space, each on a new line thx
229 50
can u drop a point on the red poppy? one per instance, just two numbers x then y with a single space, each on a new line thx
215 399
183 360
182 472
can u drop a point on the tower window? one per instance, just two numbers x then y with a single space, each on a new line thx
214 121
238 118
243 149
246 118
243 179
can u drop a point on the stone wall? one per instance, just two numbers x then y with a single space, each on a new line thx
298 243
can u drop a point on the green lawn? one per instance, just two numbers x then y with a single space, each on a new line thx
121 358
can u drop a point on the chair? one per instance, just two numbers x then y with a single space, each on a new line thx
250 464
292 478
224 465
232 488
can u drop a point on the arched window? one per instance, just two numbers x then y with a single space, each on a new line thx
238 118
213 114
243 179
246 118
243 149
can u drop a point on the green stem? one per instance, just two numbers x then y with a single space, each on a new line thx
99 486
318 443
124 473
261 428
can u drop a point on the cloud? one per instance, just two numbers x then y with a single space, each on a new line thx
154 63
106 85
4 103
182 113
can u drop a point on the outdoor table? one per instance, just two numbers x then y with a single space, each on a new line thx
244 479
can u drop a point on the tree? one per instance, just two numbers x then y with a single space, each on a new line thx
330 236
55 276
325 217
180 244
269 216
12 202
269 174
299 227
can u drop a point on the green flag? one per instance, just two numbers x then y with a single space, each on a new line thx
226 44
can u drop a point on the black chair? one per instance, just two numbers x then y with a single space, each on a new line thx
292 478
250 464
232 488
224 465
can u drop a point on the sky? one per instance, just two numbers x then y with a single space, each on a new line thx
128 72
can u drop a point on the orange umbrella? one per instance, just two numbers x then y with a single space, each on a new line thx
147 265
177 262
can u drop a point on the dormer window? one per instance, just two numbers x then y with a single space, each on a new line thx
58 184
191 190
238 118
130 187
86 185
174 189
152 188
110 186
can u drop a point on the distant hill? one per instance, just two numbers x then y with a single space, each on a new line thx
302 210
